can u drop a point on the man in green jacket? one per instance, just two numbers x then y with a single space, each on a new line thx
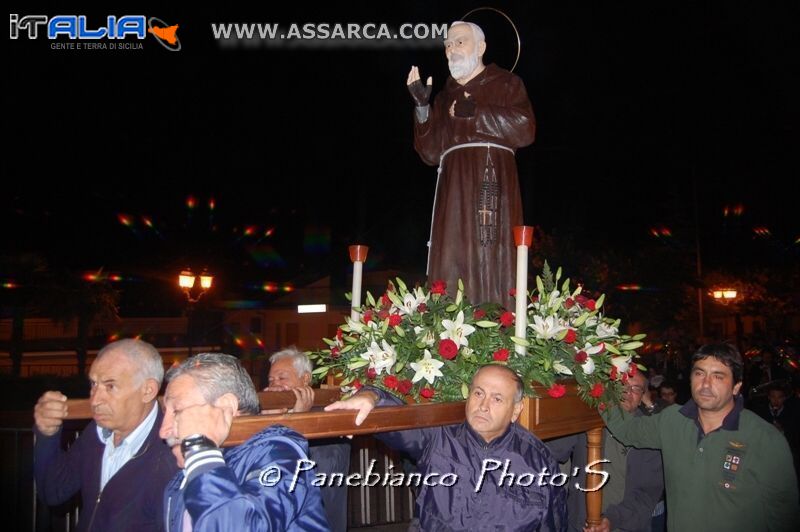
725 468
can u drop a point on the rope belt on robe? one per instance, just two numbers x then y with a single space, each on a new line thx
488 201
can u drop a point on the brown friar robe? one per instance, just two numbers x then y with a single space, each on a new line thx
477 199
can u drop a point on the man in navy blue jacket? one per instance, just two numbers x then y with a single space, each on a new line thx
477 473
119 464
255 486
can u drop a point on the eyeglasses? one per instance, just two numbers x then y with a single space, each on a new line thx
638 390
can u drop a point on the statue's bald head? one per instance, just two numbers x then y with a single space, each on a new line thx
477 32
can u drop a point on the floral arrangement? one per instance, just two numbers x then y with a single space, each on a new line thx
424 343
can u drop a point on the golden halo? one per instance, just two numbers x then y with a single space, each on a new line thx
487 8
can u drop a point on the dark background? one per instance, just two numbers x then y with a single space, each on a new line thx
647 113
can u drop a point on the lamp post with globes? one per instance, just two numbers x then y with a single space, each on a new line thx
187 281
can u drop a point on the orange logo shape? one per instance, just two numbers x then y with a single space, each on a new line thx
167 34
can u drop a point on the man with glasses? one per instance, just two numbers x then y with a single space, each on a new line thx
253 486
635 482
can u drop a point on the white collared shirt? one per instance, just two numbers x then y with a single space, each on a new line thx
116 456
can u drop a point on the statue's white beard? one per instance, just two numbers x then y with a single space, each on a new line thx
461 66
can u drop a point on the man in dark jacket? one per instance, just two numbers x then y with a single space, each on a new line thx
474 470
255 486
119 453
472 130
290 370
636 476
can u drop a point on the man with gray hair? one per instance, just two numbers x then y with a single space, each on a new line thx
290 370
118 453
254 486
471 131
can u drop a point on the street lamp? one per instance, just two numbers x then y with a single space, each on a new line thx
727 296
187 281
724 295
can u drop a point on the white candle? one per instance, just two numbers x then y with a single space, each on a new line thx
356 301
523 237
358 254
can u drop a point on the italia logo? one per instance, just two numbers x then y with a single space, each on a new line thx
76 27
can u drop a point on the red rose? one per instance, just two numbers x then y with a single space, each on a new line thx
334 352
371 373
448 349
383 314
479 314
590 304
569 303
404 386
597 390
390 381
368 316
534 299
513 292
613 374
385 301
339 334
439 287
581 357
571 336
357 384
500 354
507 319
427 393
581 299
557 390
632 370
395 320
422 307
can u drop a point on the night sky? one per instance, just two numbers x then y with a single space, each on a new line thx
641 107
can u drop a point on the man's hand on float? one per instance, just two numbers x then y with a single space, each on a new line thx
364 402
49 413
304 398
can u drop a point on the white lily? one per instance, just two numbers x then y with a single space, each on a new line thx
428 338
606 331
561 368
622 363
457 330
546 328
590 349
380 357
412 300
355 326
588 366
427 368
554 299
